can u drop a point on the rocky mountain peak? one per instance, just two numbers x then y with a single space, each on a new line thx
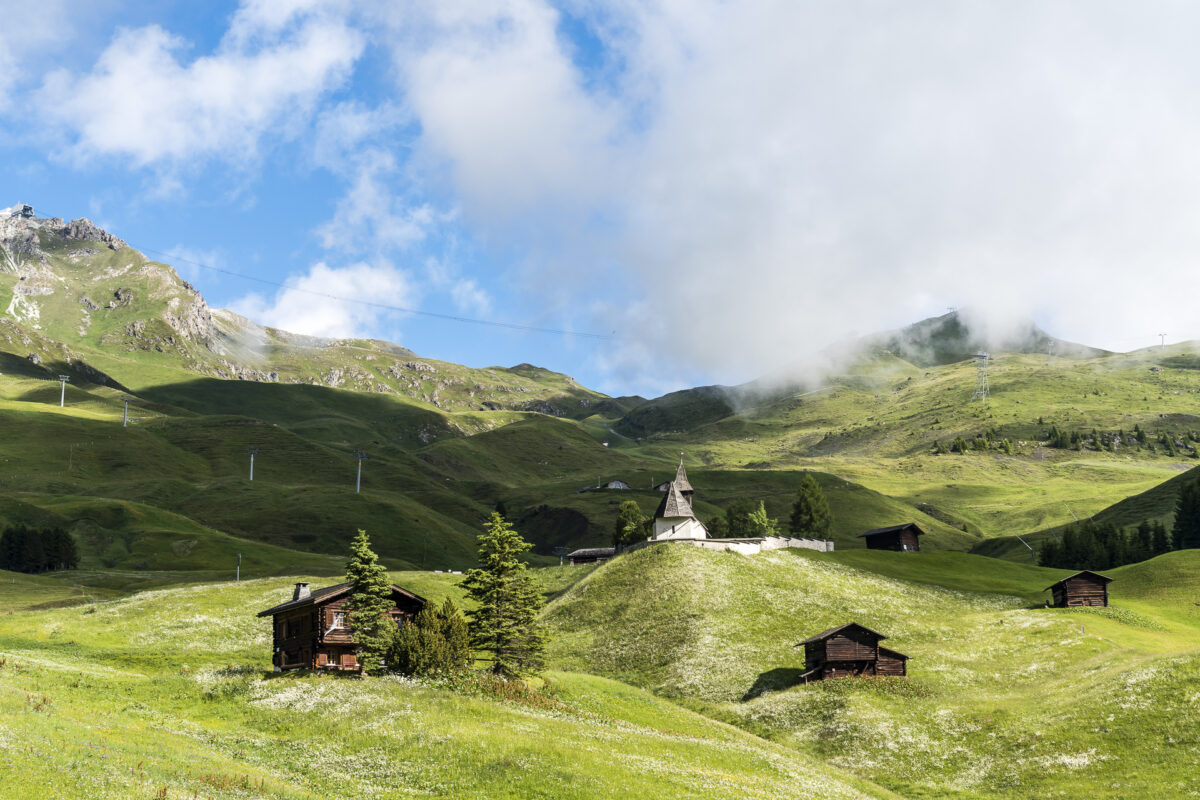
21 228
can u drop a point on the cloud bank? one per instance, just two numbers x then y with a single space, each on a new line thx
769 177
728 186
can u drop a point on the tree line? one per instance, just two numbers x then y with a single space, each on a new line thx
1102 545
33 550
743 518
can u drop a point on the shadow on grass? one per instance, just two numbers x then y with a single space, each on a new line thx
773 680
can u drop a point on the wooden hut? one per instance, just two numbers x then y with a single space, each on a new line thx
1085 588
312 630
902 538
590 555
849 649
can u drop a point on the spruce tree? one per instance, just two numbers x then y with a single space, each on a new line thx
738 524
1186 533
504 621
435 643
1162 539
369 603
810 512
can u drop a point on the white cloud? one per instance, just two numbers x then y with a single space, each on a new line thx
333 303
372 216
772 176
470 298
145 102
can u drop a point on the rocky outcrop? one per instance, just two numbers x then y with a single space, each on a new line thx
84 230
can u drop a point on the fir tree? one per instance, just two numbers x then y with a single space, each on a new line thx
717 528
630 526
369 603
1186 533
1162 539
504 621
435 643
810 513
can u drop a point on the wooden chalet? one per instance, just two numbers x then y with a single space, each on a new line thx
850 649
312 630
590 555
902 538
1085 588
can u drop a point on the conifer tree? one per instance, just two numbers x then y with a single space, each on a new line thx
369 603
1186 533
1162 540
810 512
504 621
435 643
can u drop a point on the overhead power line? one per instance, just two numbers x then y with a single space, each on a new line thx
515 326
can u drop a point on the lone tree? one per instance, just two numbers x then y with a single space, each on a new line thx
504 622
1186 533
631 524
369 603
810 512
437 642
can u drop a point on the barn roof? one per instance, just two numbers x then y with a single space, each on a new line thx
592 552
674 504
328 593
839 629
893 529
893 653
1081 573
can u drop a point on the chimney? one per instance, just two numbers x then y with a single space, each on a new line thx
301 591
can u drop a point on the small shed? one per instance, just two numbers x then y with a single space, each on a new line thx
849 649
590 555
902 538
1084 588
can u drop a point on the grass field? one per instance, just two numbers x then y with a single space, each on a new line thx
1005 699
163 694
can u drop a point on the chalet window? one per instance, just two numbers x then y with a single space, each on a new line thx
339 619
293 627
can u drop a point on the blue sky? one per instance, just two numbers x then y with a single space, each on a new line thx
725 188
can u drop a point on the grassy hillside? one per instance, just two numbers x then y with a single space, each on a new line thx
1004 700
163 694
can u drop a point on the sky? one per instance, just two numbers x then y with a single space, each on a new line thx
646 195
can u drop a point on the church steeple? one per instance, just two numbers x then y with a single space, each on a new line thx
681 480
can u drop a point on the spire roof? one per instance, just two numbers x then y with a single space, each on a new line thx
681 479
674 504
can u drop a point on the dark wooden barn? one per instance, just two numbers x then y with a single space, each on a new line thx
1085 588
590 555
312 630
850 649
896 537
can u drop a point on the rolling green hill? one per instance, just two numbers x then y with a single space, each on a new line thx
447 443
672 676
163 694
1004 699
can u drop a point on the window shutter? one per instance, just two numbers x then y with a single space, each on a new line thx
348 660
322 659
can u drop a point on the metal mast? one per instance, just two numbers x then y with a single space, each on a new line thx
62 400
982 391
361 455
253 451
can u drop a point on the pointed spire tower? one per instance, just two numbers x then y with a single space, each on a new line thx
681 481
674 518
